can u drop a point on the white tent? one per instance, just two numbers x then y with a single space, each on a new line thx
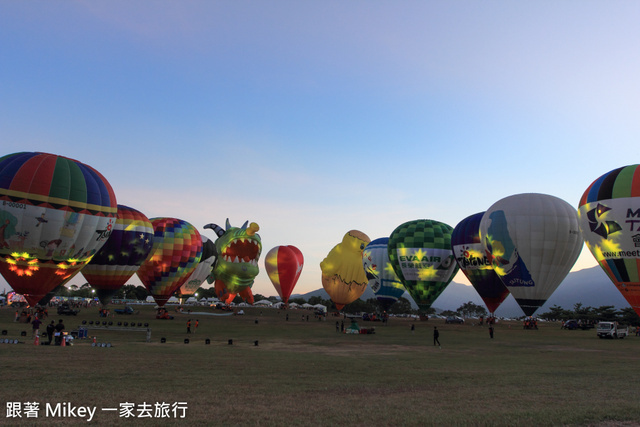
307 305
294 305
320 307
264 302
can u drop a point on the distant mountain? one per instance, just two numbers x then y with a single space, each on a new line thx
591 287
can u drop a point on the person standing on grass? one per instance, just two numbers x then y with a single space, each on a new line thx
491 331
196 326
189 326
51 327
59 331
36 327
436 336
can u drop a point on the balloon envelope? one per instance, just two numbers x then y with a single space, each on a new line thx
126 249
238 250
202 270
177 248
284 265
474 263
55 214
533 240
609 213
383 280
343 276
420 253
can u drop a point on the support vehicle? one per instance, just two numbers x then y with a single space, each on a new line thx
66 309
126 310
612 330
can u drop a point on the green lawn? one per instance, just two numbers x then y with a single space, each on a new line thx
304 372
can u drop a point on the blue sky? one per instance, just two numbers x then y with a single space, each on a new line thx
314 118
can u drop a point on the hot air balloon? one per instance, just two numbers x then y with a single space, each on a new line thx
177 248
609 215
238 250
202 271
284 265
126 249
383 280
420 253
474 263
343 276
532 240
56 213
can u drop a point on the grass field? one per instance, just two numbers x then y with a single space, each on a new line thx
305 373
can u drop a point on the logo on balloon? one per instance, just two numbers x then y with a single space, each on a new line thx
599 225
104 234
470 258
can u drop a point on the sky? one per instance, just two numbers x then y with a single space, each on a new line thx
313 118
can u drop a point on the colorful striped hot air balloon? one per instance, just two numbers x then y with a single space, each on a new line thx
126 249
177 248
609 213
55 214
202 270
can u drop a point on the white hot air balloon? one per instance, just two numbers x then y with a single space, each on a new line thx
533 240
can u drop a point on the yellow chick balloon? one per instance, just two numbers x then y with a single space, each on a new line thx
343 276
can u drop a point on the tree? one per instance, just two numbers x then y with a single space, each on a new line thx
141 293
629 317
469 309
557 313
402 306
317 300
607 313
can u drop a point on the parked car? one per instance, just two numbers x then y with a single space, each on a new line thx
66 309
454 319
125 310
575 324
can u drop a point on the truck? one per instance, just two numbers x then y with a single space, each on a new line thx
612 330
126 310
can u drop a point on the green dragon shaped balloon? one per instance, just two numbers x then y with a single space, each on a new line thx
238 251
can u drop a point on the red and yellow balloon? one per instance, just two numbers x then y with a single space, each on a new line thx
284 265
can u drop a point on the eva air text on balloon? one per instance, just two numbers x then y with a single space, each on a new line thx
420 264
